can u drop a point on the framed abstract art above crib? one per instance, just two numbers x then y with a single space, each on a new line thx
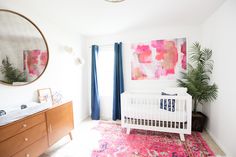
158 59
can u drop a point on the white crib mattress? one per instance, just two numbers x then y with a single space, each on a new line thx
161 114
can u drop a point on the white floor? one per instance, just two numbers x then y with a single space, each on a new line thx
85 140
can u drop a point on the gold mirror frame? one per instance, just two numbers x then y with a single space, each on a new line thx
44 40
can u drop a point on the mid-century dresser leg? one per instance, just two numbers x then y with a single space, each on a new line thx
71 138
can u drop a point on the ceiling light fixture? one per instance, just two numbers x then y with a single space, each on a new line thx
114 1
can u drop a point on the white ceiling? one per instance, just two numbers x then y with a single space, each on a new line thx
98 17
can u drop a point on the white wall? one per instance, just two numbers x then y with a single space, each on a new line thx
219 33
192 33
63 74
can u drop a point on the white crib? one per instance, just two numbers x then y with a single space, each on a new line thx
153 111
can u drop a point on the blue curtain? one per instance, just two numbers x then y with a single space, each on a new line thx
118 86
95 100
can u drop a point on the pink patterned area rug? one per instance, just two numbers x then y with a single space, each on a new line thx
115 142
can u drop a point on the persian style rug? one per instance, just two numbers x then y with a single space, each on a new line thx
115 142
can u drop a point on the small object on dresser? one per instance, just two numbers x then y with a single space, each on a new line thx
45 95
2 113
57 98
23 106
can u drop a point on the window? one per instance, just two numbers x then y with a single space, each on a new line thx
105 69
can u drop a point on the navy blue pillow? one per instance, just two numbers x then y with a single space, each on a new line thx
166 103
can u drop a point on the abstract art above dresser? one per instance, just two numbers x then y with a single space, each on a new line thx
158 59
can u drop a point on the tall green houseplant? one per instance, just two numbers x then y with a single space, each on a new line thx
197 77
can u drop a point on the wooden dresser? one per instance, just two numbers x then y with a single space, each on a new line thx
32 135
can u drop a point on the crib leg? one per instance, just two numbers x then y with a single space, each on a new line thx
127 130
182 137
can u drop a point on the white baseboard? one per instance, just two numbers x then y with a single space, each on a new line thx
227 154
80 121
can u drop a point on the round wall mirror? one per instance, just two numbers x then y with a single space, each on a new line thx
24 51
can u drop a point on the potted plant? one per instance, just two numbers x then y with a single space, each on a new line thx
197 80
11 74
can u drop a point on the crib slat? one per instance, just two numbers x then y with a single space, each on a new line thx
176 115
159 113
168 118
151 107
180 113
183 112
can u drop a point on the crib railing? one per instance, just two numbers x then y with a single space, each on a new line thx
157 112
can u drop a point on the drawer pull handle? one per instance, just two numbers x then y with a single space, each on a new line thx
26 139
27 155
24 125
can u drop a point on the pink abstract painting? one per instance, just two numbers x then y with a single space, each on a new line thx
35 62
158 59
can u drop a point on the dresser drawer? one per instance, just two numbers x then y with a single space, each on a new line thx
22 140
35 149
20 126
